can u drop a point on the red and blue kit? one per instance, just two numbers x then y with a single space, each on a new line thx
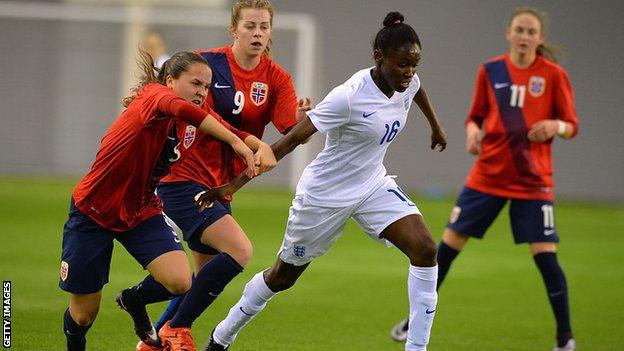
248 100
137 150
507 102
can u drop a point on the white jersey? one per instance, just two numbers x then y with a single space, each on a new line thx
360 122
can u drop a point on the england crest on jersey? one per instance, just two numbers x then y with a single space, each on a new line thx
537 85
299 251
189 136
258 93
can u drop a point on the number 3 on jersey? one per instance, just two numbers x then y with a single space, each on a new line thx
239 102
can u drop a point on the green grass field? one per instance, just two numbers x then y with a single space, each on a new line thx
493 298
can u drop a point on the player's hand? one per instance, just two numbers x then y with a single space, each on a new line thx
206 198
303 106
247 155
543 130
264 159
473 138
438 139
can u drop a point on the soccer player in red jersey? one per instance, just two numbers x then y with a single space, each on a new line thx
116 199
522 101
249 90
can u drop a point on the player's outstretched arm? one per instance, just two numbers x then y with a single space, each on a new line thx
301 132
211 126
438 135
263 155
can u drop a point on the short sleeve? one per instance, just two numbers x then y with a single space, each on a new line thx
284 108
332 112
564 101
479 107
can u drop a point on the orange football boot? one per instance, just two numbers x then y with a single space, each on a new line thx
176 339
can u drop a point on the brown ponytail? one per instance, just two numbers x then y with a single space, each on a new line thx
148 75
175 66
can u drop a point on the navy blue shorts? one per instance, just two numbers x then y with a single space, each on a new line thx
532 221
88 247
179 204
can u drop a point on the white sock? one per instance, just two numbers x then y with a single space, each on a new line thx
421 288
255 297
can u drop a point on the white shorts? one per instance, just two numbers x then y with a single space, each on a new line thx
311 230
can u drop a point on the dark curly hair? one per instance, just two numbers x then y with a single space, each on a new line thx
395 33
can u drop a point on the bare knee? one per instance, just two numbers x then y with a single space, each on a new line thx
84 317
172 271
241 253
424 254
227 236
277 284
279 280
83 309
177 285
454 239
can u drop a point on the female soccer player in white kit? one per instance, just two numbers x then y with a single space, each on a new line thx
348 179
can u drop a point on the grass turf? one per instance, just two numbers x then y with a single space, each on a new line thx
493 298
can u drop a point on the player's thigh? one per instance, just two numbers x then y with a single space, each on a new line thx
226 235
311 231
474 212
388 205
179 205
533 221
86 254
389 215
157 248
172 270
411 235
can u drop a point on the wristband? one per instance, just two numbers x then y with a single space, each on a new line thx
561 128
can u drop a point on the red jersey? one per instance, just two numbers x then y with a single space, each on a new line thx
248 100
506 103
137 150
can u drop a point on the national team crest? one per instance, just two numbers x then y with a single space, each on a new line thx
299 250
537 85
64 270
258 93
189 136
455 214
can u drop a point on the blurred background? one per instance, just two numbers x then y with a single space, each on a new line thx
66 64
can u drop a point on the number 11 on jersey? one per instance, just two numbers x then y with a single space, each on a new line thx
517 95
